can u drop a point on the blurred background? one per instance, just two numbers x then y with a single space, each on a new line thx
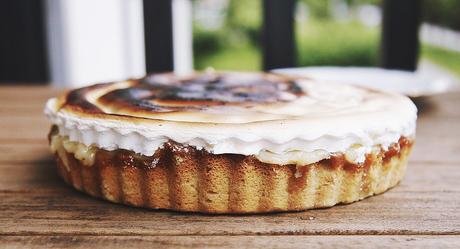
226 33
76 42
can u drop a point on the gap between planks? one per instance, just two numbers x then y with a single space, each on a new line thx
230 235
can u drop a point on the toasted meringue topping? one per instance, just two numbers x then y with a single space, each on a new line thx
167 93
278 119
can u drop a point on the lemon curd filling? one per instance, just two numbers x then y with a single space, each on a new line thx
85 154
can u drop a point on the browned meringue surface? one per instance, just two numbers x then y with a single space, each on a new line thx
275 118
167 95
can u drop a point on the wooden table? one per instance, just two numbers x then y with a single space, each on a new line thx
37 208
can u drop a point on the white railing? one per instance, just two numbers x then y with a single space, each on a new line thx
440 36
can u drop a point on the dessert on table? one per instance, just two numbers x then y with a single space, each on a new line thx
231 142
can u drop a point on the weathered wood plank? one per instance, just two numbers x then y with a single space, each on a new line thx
437 140
23 151
438 107
19 93
57 214
24 129
329 242
35 201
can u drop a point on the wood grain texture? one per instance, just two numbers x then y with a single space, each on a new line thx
424 203
237 242
37 209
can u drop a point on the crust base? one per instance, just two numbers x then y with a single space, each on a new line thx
201 182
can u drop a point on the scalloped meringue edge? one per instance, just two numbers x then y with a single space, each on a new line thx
276 149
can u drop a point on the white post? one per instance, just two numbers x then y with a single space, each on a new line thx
182 36
95 41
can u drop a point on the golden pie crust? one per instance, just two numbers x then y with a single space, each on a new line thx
182 178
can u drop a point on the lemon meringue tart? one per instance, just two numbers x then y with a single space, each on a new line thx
230 142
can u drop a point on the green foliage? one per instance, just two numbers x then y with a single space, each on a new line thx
358 2
246 58
225 50
207 42
336 43
233 47
443 57
320 41
319 9
244 14
243 20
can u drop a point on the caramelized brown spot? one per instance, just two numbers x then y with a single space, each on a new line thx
404 142
392 151
335 161
169 93
76 99
299 174
369 161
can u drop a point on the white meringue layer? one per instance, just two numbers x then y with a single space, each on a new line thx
329 119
